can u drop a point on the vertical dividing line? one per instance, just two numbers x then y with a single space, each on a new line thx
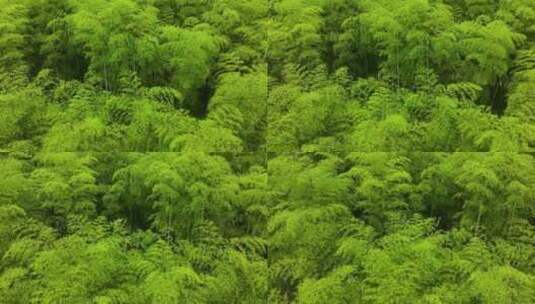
266 131
266 58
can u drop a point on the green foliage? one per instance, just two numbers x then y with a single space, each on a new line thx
13 27
253 151
249 104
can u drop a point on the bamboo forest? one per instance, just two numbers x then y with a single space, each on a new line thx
267 151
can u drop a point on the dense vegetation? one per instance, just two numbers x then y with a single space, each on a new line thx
255 151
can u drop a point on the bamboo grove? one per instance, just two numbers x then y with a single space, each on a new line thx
267 151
